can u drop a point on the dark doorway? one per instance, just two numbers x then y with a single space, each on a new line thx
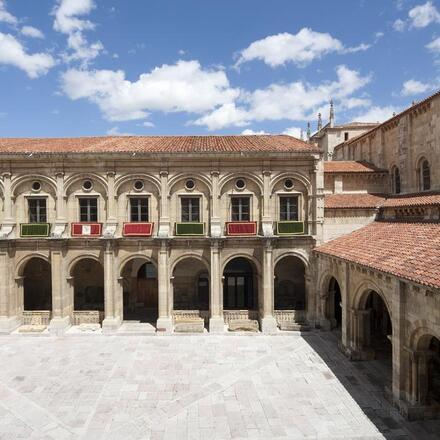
239 288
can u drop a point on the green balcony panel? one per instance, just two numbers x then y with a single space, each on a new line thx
190 229
290 228
34 229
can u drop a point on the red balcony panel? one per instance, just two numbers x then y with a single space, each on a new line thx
241 228
86 229
137 229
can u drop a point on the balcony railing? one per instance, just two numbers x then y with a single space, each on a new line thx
290 228
86 229
137 229
241 228
190 228
34 229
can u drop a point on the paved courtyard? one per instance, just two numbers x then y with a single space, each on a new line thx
193 387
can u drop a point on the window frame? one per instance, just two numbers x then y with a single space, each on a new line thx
396 184
240 214
88 197
138 197
297 196
40 197
425 179
190 214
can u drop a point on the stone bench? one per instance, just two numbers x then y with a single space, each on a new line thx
243 325
189 325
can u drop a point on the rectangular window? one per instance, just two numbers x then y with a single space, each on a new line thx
190 209
346 136
240 209
88 209
289 208
37 210
139 209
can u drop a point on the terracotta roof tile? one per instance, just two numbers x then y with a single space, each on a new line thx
406 250
156 144
409 200
347 201
350 166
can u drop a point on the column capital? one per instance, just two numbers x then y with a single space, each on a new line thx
111 173
267 172
215 173
163 173
6 174
59 173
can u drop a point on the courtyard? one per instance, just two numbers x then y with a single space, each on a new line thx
196 387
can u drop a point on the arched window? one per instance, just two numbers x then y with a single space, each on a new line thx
395 174
424 174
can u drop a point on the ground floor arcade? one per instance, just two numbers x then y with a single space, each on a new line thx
380 317
211 286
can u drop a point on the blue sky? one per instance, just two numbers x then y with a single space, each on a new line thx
95 67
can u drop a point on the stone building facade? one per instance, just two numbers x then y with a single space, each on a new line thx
182 233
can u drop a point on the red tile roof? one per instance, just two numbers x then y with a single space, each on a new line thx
157 144
350 166
409 200
406 250
347 201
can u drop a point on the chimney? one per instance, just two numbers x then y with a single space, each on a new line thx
332 115
319 122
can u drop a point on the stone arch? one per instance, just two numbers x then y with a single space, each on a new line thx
21 264
138 176
290 283
296 253
37 284
421 329
294 176
252 177
186 273
72 263
250 257
361 295
324 281
194 255
130 257
182 176
23 179
70 181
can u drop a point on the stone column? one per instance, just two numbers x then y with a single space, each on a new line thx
8 220
60 321
9 318
268 322
267 220
164 219
60 217
164 322
216 322
359 335
216 227
111 220
111 322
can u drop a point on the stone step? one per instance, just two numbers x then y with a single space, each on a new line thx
293 326
137 328
243 325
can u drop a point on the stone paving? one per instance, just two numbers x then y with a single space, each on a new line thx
193 387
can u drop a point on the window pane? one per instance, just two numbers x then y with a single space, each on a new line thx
426 177
139 209
190 209
88 210
289 208
240 209
37 210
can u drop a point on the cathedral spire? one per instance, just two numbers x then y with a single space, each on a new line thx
332 115
319 121
308 132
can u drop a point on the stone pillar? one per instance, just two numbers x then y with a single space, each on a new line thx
111 220
60 321
267 220
111 321
268 322
216 322
359 335
9 318
164 219
216 227
164 322
8 220
60 217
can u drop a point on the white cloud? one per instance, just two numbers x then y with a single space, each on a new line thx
114 131
296 101
32 32
414 87
249 132
67 21
376 114
13 53
147 124
5 16
434 45
423 15
182 87
399 25
300 49
294 131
